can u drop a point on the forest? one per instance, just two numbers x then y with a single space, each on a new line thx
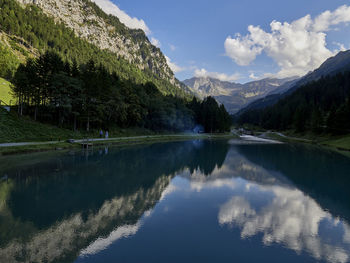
33 29
87 96
73 84
321 106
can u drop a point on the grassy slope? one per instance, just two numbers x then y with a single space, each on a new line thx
15 129
342 143
5 91
24 129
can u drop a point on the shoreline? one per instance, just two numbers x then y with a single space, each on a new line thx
325 143
33 147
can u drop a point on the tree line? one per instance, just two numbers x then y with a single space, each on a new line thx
319 106
88 96
29 27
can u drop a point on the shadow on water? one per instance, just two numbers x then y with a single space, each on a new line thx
324 175
50 210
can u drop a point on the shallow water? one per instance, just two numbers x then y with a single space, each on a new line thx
195 201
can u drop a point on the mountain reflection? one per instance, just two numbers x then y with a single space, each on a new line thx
265 201
77 207
51 210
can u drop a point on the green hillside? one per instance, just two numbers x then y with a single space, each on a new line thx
35 30
5 92
16 129
321 106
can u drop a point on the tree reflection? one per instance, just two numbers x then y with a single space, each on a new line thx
324 175
59 205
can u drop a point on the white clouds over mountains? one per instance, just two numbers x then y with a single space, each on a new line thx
296 47
202 73
131 22
175 68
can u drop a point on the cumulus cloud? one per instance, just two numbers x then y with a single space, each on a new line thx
155 42
327 19
132 22
203 73
297 47
175 68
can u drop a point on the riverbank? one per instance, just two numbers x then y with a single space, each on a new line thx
31 147
339 144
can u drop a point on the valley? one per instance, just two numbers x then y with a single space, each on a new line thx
107 156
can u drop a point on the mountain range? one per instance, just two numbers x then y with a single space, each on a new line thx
93 34
234 96
332 66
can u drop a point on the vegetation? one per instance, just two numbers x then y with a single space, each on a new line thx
321 106
35 29
89 97
8 62
213 117
342 143
5 92
15 129
73 85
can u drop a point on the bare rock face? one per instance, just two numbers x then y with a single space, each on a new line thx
130 44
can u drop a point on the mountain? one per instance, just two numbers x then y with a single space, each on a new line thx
318 106
74 66
79 30
332 66
233 95
271 98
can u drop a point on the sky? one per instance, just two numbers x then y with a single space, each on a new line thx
240 41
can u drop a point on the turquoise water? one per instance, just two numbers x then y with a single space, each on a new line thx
194 201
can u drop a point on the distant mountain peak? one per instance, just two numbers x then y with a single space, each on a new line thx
233 95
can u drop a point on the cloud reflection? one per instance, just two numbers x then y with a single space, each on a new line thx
290 218
103 243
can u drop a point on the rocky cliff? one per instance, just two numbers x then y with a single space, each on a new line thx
106 32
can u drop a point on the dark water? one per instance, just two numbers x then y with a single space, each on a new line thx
196 201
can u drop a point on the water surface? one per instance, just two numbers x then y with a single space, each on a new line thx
194 201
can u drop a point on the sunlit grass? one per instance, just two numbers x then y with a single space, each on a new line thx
5 92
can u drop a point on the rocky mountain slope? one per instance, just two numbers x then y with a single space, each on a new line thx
337 64
106 32
233 95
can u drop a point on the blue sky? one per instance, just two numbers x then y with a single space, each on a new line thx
200 37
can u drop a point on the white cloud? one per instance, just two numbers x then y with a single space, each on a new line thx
253 77
340 45
296 47
172 47
327 19
175 68
131 22
242 50
155 42
203 73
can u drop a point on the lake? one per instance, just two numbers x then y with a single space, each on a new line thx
193 201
